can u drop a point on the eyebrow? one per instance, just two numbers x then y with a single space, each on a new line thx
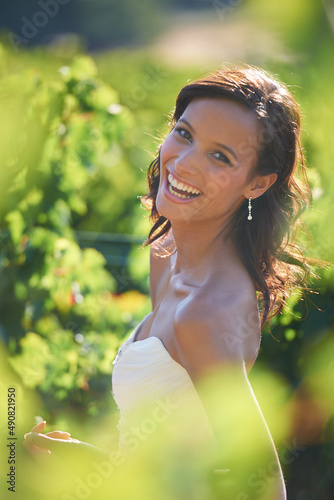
223 146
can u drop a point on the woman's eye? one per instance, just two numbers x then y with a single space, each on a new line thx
221 157
183 133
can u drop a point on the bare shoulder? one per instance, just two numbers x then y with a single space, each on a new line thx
221 324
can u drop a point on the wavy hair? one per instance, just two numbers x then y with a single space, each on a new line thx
267 245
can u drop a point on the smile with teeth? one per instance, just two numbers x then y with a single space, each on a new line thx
180 189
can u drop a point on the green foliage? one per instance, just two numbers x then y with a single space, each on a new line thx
287 18
63 166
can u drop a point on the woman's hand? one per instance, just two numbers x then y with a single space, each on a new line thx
32 447
61 462
60 444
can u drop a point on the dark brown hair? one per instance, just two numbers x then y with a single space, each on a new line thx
273 261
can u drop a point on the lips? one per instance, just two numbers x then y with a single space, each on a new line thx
181 189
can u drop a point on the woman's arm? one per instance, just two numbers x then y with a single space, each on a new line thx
211 347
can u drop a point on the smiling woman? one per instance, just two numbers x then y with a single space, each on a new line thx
219 170
223 198
250 126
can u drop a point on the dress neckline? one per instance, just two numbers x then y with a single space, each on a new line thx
133 341
162 346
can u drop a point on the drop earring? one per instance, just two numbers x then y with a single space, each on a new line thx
250 208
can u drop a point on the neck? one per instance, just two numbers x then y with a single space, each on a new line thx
200 250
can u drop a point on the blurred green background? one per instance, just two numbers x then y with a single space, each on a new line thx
86 89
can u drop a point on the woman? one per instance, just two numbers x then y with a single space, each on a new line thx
223 198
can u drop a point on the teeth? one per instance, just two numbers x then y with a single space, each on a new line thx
172 181
181 186
175 193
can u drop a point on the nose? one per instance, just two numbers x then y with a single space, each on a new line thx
188 161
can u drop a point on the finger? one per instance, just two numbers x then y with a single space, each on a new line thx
58 434
39 427
33 450
47 442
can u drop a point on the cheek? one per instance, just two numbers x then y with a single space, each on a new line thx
226 186
169 149
225 181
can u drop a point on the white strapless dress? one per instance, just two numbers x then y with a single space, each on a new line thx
152 390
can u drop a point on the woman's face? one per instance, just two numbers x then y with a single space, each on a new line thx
206 162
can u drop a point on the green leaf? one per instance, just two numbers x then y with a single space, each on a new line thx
16 225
